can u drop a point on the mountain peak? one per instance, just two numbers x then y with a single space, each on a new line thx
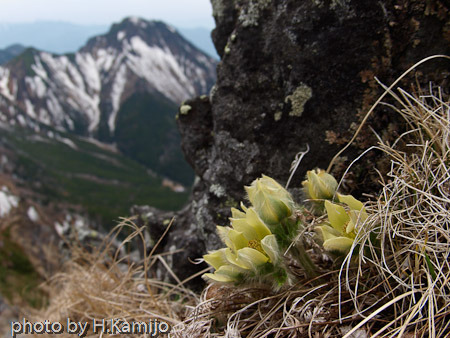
153 33
143 23
83 92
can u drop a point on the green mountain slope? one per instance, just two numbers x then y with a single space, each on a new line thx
146 131
104 182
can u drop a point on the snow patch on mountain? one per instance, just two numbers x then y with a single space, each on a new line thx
121 35
36 85
39 69
22 120
32 214
154 63
5 84
116 95
30 108
105 59
70 83
89 69
7 201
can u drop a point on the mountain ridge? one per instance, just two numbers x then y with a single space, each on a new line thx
10 52
62 37
90 85
83 92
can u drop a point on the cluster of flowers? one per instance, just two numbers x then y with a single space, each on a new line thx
259 235
339 231
256 237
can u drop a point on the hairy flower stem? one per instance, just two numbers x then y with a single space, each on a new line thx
299 252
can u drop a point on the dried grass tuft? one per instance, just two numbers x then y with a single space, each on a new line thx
411 219
105 284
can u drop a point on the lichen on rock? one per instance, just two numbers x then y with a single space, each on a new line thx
298 99
219 7
184 109
250 15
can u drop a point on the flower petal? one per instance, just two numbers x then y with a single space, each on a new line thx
270 246
241 225
236 240
219 277
223 233
236 213
225 274
252 258
234 259
337 216
328 232
341 244
352 202
233 239
356 217
216 259
257 224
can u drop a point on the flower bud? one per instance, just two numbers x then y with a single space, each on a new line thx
271 201
319 184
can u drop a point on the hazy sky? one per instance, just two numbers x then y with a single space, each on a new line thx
180 13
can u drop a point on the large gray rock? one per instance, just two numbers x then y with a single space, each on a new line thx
294 73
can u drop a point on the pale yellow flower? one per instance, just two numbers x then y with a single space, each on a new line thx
250 244
252 251
249 223
319 184
340 231
271 201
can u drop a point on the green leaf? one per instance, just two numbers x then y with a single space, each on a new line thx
430 267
